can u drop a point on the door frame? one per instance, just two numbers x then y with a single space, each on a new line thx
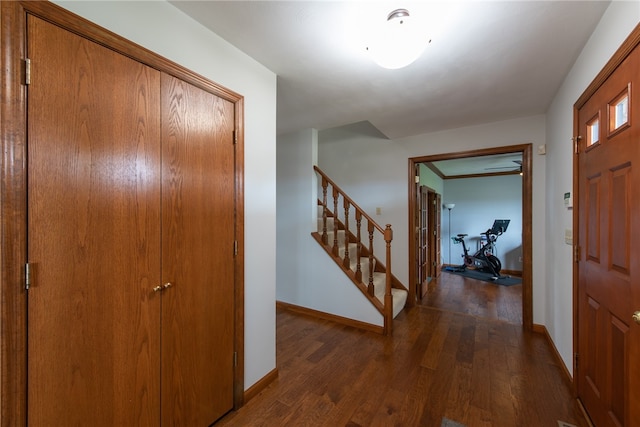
13 189
629 44
527 251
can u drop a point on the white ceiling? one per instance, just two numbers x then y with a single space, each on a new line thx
488 60
479 165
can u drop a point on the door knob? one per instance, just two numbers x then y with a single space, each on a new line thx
636 317
162 287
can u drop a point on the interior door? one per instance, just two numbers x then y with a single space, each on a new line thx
198 199
435 203
93 234
423 241
608 364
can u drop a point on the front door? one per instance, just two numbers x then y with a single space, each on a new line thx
608 340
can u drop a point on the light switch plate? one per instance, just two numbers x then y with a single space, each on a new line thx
568 236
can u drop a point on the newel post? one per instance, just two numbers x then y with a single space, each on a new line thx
388 299
370 287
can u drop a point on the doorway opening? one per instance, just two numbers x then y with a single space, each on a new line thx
415 257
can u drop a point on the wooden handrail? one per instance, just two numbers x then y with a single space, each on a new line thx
334 247
358 208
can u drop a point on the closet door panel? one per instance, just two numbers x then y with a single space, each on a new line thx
198 196
93 234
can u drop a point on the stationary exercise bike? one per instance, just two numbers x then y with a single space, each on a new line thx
484 259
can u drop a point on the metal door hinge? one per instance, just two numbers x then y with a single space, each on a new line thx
576 357
235 247
235 136
27 71
235 358
576 253
27 276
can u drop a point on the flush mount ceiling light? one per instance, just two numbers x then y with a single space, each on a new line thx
399 42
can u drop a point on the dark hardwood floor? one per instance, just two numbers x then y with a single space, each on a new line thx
455 293
460 356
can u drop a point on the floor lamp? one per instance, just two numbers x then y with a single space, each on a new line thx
449 206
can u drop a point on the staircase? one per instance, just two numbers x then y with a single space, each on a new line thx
355 254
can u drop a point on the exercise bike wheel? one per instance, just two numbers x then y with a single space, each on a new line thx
495 263
468 261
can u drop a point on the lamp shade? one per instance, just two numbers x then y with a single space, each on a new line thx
449 205
399 42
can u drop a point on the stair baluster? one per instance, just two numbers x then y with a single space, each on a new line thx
346 261
359 246
336 251
371 288
325 184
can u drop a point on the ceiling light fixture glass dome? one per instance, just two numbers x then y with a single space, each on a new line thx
400 42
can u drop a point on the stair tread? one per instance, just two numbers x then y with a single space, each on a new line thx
330 224
399 296
331 236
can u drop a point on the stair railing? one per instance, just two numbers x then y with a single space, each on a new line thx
372 227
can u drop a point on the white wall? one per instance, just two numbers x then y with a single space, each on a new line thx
430 179
478 202
614 27
162 28
374 172
306 275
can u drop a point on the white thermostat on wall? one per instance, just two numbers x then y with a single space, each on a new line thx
568 201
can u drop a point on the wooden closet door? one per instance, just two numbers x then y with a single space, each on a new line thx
93 234
198 199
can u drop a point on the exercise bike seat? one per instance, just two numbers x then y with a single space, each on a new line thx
462 235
